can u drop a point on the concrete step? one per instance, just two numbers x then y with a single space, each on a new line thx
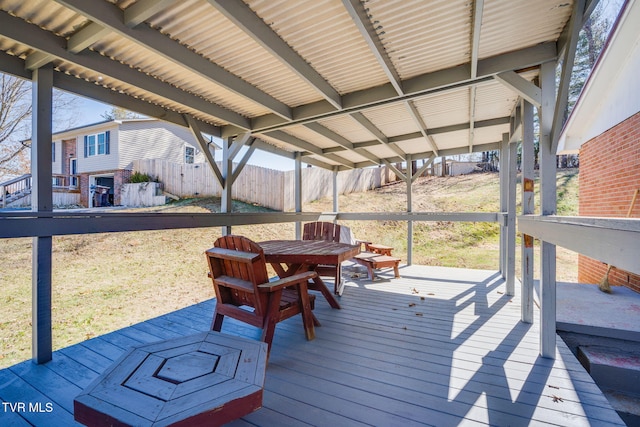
627 406
612 368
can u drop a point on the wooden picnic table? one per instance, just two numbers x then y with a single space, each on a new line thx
288 257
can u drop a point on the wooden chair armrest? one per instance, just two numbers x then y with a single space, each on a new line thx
287 281
232 255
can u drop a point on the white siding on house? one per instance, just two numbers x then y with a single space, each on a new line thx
101 162
56 165
152 140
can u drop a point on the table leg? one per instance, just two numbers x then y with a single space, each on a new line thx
319 285
307 314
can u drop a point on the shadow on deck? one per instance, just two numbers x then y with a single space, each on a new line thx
440 346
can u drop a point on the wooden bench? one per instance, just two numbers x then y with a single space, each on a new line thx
204 379
377 248
375 261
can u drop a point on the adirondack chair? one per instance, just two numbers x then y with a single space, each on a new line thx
328 232
238 269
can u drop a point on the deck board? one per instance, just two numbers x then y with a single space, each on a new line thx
435 347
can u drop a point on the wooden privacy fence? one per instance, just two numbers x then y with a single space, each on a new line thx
266 187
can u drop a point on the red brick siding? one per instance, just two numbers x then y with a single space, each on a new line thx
119 177
609 176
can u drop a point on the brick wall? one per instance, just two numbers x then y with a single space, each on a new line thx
609 176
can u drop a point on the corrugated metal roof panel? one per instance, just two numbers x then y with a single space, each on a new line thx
444 108
423 36
392 119
416 145
511 25
494 100
489 135
347 127
201 27
304 133
449 140
175 74
46 14
382 151
323 33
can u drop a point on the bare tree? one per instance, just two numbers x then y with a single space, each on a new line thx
15 122
119 113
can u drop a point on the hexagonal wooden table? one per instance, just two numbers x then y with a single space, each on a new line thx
204 379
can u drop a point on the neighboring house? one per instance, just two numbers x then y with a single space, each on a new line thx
605 127
98 158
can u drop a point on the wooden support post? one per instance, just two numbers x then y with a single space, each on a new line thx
528 163
409 179
298 191
42 201
548 207
511 217
227 176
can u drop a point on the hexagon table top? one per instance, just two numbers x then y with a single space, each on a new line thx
208 378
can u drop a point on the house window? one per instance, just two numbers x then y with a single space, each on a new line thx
189 154
96 145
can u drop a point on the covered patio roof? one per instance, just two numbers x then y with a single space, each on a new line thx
345 83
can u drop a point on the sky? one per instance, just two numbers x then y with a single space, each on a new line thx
90 111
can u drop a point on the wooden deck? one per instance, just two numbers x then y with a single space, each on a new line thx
439 346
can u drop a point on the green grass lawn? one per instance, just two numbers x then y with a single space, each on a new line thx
103 282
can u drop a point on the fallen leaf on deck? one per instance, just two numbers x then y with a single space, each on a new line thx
422 298
411 304
430 293
419 314
557 398
552 386
500 292
415 291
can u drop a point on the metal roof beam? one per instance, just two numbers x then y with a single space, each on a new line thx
110 17
562 97
521 86
244 18
356 10
86 37
299 143
15 66
36 60
204 146
31 35
414 87
381 137
478 6
421 125
342 141
142 10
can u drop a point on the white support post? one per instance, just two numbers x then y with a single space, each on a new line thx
511 217
227 175
548 207
409 179
335 189
42 201
298 191
528 160
503 177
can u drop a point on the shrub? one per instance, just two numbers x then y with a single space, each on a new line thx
137 177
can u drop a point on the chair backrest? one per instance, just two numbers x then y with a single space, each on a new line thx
238 266
326 231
